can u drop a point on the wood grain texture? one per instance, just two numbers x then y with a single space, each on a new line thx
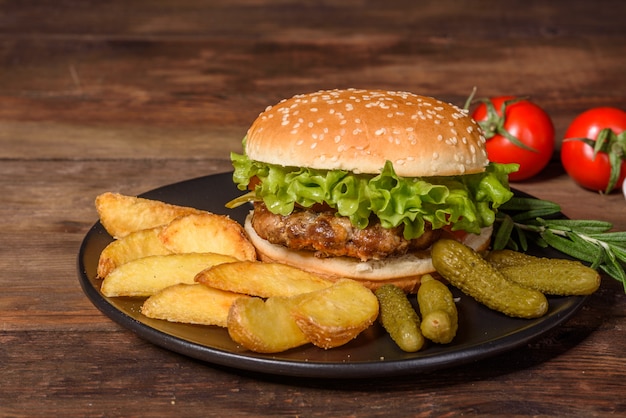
129 96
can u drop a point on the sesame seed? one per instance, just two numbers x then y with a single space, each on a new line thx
380 131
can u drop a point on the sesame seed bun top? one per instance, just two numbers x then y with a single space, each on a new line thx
359 130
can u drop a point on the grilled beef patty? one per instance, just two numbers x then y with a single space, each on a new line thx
329 235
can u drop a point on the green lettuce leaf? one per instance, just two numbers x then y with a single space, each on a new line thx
467 202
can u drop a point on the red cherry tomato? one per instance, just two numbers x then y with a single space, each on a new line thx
577 155
527 123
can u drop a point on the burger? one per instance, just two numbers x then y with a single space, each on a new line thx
360 184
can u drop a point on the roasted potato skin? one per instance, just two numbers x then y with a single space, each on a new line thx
207 233
265 326
334 316
261 279
191 304
120 214
136 245
146 276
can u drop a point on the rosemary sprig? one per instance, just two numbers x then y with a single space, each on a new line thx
522 220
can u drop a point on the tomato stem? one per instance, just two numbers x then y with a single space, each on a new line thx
494 124
614 146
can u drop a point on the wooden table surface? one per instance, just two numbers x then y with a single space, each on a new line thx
128 96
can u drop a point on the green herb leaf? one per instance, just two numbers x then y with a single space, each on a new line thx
528 203
503 234
586 240
587 226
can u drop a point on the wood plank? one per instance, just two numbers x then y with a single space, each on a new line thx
129 96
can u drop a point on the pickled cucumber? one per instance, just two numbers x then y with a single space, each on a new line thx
550 276
508 258
399 318
439 313
466 270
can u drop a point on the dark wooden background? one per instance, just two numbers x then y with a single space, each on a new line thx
127 96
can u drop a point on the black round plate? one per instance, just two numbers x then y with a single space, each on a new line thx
482 332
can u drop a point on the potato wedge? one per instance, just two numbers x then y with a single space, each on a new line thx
191 304
261 279
138 244
265 326
146 276
207 233
333 316
120 214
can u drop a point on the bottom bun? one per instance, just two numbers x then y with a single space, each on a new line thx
403 271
